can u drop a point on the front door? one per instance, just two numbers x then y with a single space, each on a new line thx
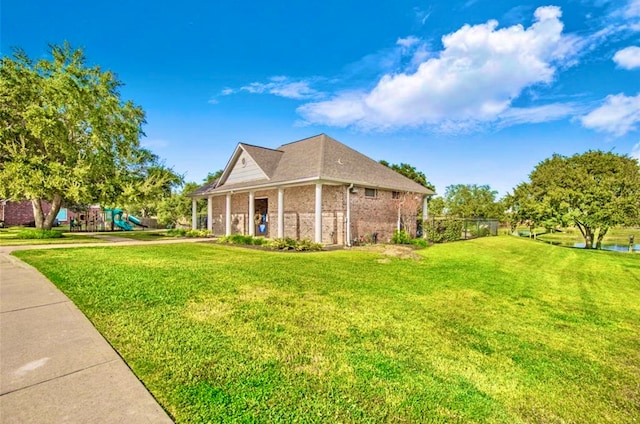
261 217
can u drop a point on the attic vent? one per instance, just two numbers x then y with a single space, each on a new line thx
243 161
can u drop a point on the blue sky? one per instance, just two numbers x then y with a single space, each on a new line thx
468 92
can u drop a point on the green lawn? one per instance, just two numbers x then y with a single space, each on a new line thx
8 237
142 235
496 329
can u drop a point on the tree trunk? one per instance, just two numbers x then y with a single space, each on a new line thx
45 222
601 233
587 233
53 212
38 215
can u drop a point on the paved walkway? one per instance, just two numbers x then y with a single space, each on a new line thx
54 365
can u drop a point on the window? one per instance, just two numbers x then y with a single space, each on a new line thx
395 194
370 192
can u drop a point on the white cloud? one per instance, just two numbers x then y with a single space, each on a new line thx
283 87
474 79
635 151
618 115
537 114
408 41
633 9
227 91
628 58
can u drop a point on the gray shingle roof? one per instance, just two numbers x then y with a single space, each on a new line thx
318 158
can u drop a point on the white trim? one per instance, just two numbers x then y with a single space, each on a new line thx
210 213
318 214
304 181
280 212
252 211
349 187
227 230
194 214
232 163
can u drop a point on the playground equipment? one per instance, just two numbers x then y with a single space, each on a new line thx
122 220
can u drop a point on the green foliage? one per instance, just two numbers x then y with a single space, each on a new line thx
494 330
472 201
31 233
292 244
410 172
401 237
420 242
436 206
243 239
443 230
594 191
177 232
198 233
67 137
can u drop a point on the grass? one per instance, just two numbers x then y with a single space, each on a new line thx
146 235
496 329
9 237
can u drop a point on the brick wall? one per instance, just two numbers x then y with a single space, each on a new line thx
368 215
20 213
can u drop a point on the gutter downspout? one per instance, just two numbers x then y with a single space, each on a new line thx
349 215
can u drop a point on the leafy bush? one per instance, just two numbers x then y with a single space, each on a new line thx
38 234
198 233
291 244
401 237
242 239
420 242
444 230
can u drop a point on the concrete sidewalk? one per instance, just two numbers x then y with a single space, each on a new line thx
54 365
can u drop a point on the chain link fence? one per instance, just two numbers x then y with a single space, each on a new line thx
442 229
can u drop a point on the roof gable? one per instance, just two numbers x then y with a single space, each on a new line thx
318 158
249 163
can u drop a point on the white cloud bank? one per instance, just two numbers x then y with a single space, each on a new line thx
473 80
628 58
618 115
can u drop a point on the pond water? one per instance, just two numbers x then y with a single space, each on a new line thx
613 247
605 246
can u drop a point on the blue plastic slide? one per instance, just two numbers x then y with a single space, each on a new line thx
136 221
120 223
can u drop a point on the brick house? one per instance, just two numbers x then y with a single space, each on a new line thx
316 188
20 212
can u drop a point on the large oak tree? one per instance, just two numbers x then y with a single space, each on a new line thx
66 137
593 191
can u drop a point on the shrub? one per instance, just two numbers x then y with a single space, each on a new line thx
401 237
242 239
420 242
198 233
291 244
38 234
444 230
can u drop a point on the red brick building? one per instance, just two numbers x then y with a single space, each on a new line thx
316 188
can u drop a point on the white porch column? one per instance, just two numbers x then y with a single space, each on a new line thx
227 231
210 213
318 238
425 208
194 214
425 215
252 212
280 212
349 215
